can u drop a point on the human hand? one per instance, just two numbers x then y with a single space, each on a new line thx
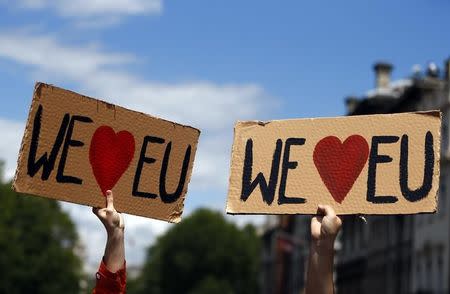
111 219
324 229
114 257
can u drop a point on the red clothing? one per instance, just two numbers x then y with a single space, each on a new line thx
110 283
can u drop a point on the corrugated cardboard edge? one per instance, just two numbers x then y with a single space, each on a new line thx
312 214
36 96
259 123
175 217
256 123
233 147
436 113
110 105
238 124
437 174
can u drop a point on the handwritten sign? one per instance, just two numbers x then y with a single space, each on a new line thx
76 148
374 164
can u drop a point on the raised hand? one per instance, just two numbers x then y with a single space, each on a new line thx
111 219
114 257
324 229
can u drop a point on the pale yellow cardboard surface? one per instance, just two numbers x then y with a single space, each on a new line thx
56 102
305 180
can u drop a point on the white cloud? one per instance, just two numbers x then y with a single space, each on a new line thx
209 106
94 8
89 14
97 23
45 54
10 144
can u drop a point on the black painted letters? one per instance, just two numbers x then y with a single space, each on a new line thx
166 197
143 159
282 198
60 177
374 159
267 190
422 192
46 161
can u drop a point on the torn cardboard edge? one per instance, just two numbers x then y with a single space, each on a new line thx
246 128
252 123
38 85
175 213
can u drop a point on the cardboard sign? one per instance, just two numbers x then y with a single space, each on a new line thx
75 148
374 164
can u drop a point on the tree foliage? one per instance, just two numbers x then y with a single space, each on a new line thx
202 254
37 242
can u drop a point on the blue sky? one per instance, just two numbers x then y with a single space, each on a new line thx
207 63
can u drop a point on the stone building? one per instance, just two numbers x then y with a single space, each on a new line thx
400 254
283 255
378 254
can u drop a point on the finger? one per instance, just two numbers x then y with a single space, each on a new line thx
338 222
329 211
122 222
317 219
331 226
109 200
99 212
119 221
321 210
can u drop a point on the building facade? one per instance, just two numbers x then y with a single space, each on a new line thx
284 255
378 254
401 254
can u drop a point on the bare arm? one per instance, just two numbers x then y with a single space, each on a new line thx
324 229
114 257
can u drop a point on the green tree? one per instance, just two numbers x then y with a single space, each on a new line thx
37 242
202 254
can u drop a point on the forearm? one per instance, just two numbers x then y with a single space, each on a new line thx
320 272
114 257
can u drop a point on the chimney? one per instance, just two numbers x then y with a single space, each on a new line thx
382 74
432 70
351 102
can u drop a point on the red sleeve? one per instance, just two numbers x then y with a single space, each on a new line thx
108 282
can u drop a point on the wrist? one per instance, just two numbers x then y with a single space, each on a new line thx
323 247
115 234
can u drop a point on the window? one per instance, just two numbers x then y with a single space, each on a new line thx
419 273
350 235
440 274
443 196
361 232
429 274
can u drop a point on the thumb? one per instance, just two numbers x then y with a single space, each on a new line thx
109 200
95 210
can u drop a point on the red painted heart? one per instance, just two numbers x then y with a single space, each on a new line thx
339 164
110 155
